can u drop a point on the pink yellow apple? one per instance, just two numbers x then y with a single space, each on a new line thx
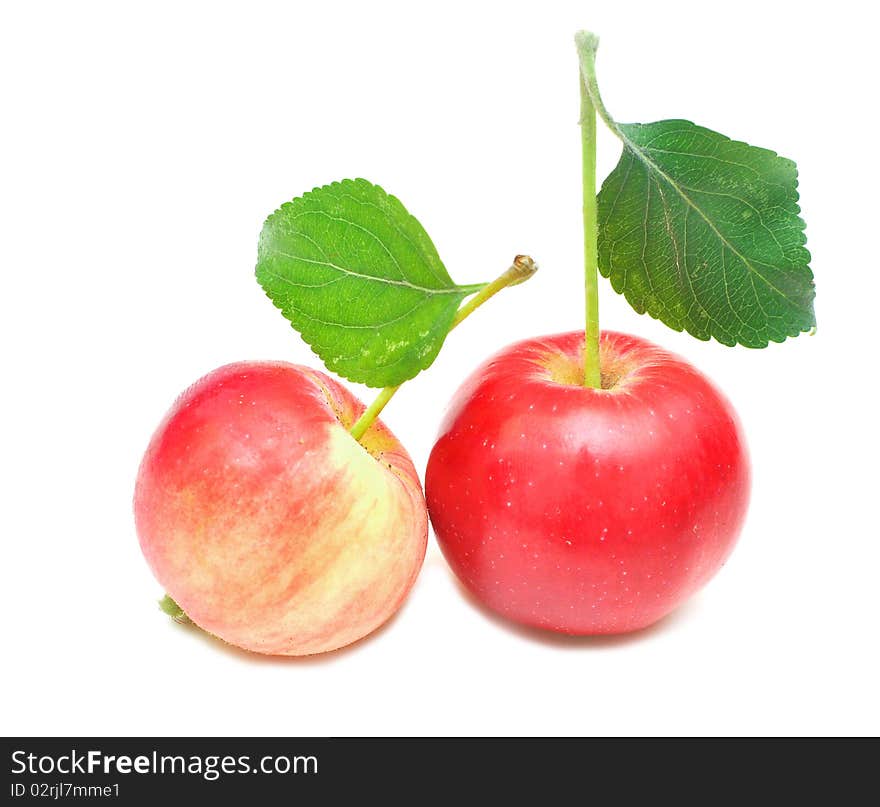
267 522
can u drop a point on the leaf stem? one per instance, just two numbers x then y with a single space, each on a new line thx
586 45
522 268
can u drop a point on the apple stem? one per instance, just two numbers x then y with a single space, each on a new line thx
586 45
372 412
522 268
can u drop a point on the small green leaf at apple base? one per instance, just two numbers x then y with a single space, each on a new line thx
359 278
170 607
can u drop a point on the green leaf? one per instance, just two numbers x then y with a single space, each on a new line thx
704 233
360 279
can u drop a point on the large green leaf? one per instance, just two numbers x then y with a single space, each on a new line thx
360 279
704 233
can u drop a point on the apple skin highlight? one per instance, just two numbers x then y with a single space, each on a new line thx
267 522
587 511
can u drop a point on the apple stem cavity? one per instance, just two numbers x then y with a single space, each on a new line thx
586 46
522 268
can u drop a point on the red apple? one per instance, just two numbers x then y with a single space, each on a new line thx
587 511
267 522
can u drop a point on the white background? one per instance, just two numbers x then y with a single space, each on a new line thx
143 145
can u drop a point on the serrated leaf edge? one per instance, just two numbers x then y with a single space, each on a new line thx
423 359
634 150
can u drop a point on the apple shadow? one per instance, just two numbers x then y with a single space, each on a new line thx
328 657
567 641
